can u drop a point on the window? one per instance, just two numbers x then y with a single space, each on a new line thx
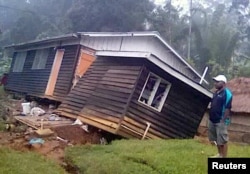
19 61
154 92
40 59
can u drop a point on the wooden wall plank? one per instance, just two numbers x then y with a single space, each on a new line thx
64 80
30 81
105 88
182 110
21 81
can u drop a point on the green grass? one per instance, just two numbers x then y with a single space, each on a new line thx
2 92
151 157
2 125
2 109
13 162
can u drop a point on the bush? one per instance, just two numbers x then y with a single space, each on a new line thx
4 65
3 112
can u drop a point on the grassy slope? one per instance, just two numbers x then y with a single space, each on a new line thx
13 162
151 157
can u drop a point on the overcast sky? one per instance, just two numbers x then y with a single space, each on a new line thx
182 3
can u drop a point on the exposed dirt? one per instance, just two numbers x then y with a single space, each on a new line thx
19 136
77 135
53 147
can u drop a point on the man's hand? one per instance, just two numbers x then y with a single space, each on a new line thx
226 118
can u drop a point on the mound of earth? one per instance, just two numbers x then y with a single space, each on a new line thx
53 147
75 134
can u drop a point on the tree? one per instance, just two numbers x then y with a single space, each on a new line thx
112 15
214 39
166 20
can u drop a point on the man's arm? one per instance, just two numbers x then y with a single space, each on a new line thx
228 106
226 114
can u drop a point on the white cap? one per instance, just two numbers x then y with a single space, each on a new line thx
220 78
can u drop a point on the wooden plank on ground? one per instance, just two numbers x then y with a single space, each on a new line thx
35 121
99 120
97 123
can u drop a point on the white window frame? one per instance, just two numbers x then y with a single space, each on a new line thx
19 61
152 94
40 59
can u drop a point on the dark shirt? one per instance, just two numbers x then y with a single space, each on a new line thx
220 102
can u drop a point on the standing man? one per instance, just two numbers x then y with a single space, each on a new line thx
219 116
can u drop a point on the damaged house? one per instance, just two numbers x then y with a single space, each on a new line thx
131 84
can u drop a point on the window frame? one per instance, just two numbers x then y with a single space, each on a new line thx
40 59
152 95
20 58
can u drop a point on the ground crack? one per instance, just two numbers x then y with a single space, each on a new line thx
70 168
142 161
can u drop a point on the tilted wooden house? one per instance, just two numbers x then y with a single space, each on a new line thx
130 84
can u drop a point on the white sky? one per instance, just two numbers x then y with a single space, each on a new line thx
182 3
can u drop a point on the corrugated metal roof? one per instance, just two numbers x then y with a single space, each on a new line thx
240 88
153 34
46 40
110 34
144 33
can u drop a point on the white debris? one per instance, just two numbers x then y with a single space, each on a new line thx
85 127
77 122
36 111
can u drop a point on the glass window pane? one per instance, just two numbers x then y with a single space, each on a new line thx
159 95
148 89
40 59
155 92
19 61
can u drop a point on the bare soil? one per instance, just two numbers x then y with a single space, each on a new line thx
52 148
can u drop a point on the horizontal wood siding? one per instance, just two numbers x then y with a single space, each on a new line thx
181 113
76 99
67 69
104 90
30 81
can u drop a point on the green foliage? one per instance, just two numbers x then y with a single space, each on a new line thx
2 125
4 65
26 163
218 30
112 15
214 40
150 156
3 111
244 71
166 20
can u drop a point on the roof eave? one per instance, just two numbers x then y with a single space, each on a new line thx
149 33
161 65
48 40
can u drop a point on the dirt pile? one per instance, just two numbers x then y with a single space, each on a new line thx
53 146
75 134
20 134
